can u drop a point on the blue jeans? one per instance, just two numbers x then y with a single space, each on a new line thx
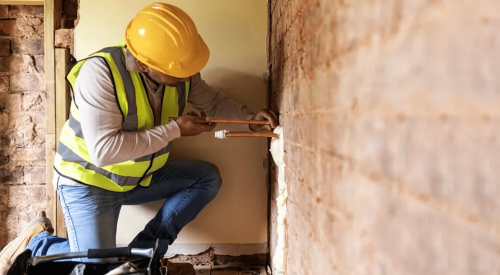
91 213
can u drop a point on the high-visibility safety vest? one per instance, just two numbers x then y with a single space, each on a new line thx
73 160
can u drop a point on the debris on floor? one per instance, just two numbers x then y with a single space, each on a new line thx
233 271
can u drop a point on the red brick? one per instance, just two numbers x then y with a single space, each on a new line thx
388 135
21 27
313 254
39 132
4 47
447 177
273 5
25 201
4 11
30 21
27 46
11 102
34 156
9 28
402 228
34 101
64 38
12 175
34 175
27 82
40 63
11 64
39 30
26 11
4 120
4 84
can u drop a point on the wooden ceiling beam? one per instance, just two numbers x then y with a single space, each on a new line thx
21 2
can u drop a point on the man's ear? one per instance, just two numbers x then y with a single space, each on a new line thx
142 66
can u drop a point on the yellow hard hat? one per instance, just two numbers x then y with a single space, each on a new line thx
164 37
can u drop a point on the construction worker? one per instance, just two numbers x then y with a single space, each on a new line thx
114 148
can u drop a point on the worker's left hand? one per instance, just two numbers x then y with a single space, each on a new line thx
265 114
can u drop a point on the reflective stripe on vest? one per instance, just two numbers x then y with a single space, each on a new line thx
72 158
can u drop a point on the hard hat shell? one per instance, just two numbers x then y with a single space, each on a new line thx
165 38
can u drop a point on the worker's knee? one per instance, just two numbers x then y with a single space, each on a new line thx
212 177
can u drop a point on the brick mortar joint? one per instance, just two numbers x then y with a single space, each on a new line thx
293 19
327 206
321 151
347 115
404 24
23 184
343 220
448 208
400 188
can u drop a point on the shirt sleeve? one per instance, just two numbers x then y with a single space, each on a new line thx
216 104
101 120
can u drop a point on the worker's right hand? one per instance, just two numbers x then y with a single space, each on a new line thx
190 125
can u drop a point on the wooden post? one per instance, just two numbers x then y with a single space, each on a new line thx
52 21
63 103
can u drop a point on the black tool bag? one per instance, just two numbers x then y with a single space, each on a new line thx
148 262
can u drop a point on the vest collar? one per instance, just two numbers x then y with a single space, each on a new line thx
131 62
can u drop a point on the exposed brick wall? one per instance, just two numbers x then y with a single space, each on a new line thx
69 14
64 37
22 118
391 114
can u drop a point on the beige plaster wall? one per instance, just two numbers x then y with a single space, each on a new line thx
235 31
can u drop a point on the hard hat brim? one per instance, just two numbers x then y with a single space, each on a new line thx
196 65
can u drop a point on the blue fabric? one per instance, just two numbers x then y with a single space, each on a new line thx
91 213
47 244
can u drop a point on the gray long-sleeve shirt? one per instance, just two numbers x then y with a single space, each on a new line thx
101 119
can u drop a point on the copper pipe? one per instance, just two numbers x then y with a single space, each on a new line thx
252 134
228 121
239 121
